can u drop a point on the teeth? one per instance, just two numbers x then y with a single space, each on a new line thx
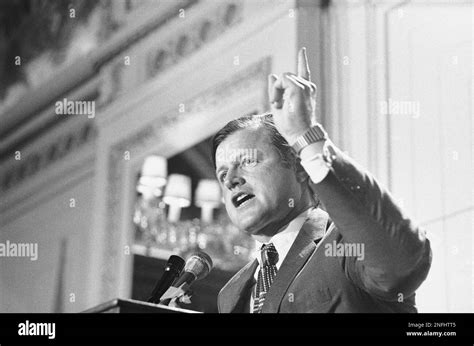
241 196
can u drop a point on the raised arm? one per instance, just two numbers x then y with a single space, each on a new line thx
397 254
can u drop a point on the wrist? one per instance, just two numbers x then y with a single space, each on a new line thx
312 135
295 134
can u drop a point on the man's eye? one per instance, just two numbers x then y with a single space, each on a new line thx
222 176
248 162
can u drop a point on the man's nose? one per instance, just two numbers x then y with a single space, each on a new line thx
233 179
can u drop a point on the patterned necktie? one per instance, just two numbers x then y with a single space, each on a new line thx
266 275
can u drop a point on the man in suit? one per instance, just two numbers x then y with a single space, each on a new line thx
362 254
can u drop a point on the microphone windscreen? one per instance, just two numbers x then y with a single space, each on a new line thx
199 264
175 263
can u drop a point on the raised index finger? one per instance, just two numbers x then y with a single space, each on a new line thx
303 67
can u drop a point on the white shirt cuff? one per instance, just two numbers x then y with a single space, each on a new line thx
313 162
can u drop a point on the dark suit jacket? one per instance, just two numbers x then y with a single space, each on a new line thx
397 255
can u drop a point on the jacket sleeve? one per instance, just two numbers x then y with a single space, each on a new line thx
397 254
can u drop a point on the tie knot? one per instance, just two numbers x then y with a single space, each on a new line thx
269 254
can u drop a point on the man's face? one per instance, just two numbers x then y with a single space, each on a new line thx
259 192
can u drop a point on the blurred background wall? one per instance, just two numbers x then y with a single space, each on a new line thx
394 90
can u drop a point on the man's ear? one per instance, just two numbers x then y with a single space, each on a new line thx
303 178
301 175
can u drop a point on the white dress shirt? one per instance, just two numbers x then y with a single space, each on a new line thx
282 242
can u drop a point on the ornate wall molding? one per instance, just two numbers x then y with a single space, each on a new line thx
171 51
43 157
179 46
252 78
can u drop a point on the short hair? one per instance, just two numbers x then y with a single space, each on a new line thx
265 121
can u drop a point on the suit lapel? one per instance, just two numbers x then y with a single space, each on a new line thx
237 289
304 245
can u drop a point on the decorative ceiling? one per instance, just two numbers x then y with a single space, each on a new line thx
31 28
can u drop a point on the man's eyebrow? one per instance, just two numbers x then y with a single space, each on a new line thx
254 153
219 168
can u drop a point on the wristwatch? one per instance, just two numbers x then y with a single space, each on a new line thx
314 134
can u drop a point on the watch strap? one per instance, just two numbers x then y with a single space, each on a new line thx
314 134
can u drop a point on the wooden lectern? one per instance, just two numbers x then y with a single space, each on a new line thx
124 306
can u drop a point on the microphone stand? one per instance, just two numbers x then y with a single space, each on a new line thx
174 293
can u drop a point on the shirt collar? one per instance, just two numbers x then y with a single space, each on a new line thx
284 239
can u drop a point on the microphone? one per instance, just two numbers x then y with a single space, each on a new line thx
197 268
173 268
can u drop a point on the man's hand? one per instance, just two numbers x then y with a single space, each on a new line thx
293 100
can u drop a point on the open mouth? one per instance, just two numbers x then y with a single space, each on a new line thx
241 198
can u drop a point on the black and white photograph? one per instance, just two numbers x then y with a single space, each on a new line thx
195 160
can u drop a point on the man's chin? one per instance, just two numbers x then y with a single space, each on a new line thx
248 224
249 220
